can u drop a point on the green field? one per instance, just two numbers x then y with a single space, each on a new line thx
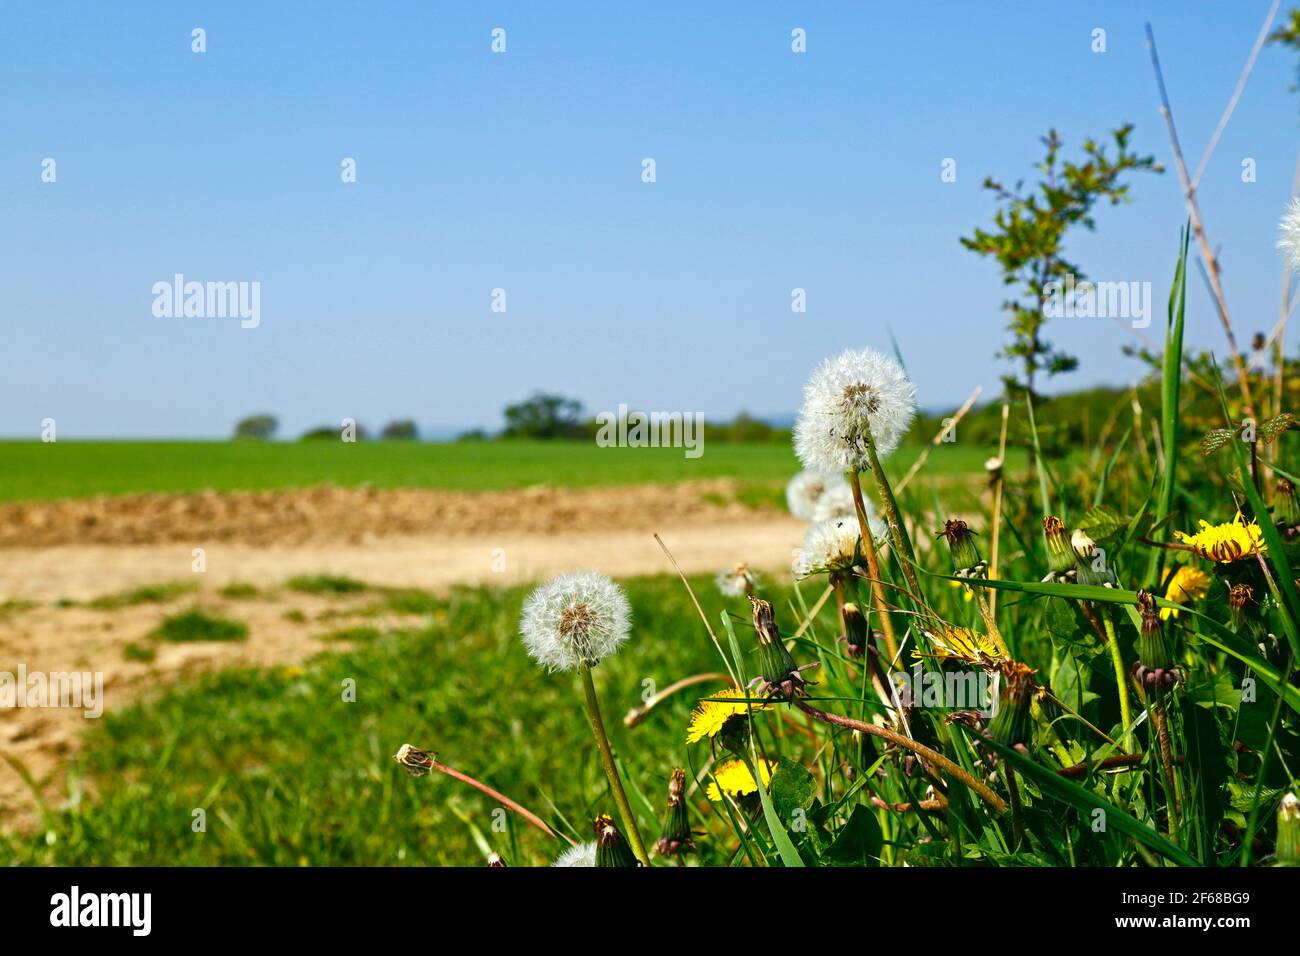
288 773
72 469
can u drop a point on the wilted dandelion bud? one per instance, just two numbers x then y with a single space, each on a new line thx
1155 666
852 401
1286 508
416 761
856 634
1060 556
677 838
779 674
584 854
1090 562
495 862
1288 831
1244 611
575 619
736 581
611 848
966 559
1012 722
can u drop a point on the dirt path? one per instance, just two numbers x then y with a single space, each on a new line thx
46 626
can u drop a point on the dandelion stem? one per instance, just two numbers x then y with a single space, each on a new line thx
933 756
498 796
1121 680
611 769
873 566
1167 764
897 533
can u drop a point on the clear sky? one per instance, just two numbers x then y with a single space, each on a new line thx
522 171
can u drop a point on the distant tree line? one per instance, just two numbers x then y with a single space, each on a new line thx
263 426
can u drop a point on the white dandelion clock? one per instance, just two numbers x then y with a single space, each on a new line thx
856 397
736 581
584 854
807 488
575 619
837 502
834 545
1289 234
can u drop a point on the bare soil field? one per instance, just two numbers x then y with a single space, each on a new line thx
55 557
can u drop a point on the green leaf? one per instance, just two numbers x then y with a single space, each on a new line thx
1076 796
859 841
1102 522
793 788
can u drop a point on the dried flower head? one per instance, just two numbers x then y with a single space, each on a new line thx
779 674
1090 562
1060 556
1289 234
416 761
584 854
858 398
677 837
837 502
1012 721
495 862
1235 540
806 489
1155 667
576 618
736 581
966 558
611 849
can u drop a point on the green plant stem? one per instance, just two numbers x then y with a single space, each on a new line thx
933 756
1121 679
897 532
611 769
875 585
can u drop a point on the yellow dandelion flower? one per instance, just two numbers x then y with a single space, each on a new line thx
734 778
1225 543
711 716
1186 585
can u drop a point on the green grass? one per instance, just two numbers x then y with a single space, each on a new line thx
290 773
196 625
73 469
239 591
148 594
325 584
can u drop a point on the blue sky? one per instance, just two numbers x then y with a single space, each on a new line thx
522 171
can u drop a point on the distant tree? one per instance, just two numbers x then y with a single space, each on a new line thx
544 416
746 428
334 432
258 427
474 434
400 430
1028 239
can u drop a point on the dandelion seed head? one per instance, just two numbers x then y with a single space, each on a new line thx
736 581
806 489
584 854
837 502
834 545
575 618
855 393
1289 234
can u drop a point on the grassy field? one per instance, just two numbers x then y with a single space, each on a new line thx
72 469
288 773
